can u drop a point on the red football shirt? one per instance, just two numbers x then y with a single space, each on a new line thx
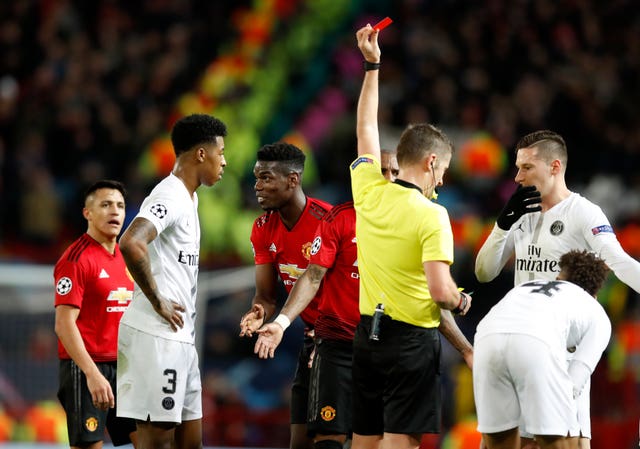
289 250
87 276
334 247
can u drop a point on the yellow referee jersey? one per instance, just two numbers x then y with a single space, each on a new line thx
397 229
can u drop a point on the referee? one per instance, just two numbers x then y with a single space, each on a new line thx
405 249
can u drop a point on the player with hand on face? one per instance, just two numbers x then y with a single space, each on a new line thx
543 220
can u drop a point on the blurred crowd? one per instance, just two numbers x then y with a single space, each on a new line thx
85 87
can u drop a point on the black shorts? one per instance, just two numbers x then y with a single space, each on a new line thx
86 423
330 389
396 380
300 387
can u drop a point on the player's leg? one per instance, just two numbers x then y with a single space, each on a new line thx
189 435
300 397
329 409
85 423
410 357
507 439
544 389
155 435
557 442
495 395
159 386
366 391
121 430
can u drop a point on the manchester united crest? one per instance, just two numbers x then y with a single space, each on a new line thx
91 424
306 250
328 413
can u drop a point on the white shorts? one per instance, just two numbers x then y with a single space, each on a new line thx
518 381
158 379
583 404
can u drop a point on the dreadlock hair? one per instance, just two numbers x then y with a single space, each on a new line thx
585 269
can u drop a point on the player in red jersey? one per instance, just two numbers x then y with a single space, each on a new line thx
93 288
334 259
281 240
333 278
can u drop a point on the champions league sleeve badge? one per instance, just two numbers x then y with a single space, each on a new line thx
159 210
64 286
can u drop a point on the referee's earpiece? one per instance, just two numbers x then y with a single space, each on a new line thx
434 194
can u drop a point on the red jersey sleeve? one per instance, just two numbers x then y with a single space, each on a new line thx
259 244
69 278
325 244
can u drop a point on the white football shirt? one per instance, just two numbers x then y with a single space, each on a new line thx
174 256
556 312
539 239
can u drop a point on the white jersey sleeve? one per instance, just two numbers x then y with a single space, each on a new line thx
625 267
494 254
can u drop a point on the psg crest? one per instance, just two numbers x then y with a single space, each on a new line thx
556 228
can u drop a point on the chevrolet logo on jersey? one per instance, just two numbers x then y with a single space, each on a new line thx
122 297
292 270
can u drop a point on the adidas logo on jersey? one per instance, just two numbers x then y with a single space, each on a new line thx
273 248
103 274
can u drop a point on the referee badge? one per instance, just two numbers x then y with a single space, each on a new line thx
328 413
91 424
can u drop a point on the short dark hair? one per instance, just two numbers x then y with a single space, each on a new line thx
105 184
550 145
195 129
419 140
585 269
290 156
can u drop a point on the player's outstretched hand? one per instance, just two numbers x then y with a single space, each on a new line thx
523 201
269 337
368 43
170 311
252 320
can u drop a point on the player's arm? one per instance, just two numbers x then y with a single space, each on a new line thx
444 290
70 337
302 293
494 254
449 328
134 245
625 267
263 305
367 113
594 340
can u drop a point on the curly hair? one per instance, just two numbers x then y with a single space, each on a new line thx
195 129
585 269
290 157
